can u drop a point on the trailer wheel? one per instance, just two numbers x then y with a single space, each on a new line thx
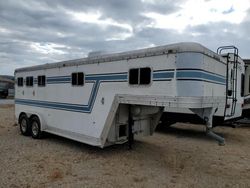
35 128
24 125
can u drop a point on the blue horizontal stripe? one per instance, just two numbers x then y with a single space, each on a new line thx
201 70
48 102
58 107
58 79
58 82
163 75
199 75
107 77
107 74
55 105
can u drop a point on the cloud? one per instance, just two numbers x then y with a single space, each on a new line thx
36 32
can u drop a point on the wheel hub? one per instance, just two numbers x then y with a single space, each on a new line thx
35 128
24 125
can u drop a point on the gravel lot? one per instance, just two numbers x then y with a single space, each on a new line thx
174 157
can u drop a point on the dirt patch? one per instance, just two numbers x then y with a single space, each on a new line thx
55 175
181 156
6 106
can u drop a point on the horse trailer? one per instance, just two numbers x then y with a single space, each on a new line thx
106 99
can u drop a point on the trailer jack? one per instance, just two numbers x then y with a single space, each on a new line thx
130 129
220 139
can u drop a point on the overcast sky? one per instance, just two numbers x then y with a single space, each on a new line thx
45 31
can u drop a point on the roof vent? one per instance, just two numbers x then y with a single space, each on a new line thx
96 53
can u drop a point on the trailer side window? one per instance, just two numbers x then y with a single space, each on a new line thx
134 76
29 81
140 76
41 80
20 81
77 79
242 85
145 75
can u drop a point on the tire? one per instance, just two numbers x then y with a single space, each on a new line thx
24 125
35 128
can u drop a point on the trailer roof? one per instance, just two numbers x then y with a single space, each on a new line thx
147 52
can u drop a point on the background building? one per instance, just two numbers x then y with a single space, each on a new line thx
6 86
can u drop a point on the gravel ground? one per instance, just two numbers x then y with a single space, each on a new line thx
180 156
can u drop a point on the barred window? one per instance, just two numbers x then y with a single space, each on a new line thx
140 76
20 81
77 79
41 80
29 81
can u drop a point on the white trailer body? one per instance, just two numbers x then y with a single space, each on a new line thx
126 93
234 91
